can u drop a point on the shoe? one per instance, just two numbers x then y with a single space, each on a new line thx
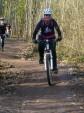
55 70
41 62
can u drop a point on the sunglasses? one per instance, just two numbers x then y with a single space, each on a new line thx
47 15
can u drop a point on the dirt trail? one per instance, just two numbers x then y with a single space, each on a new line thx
32 94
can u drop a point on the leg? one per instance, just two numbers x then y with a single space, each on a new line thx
2 37
41 51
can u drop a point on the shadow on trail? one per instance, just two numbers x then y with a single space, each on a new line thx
33 94
40 97
35 85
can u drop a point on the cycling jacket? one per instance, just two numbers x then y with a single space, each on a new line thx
2 29
47 30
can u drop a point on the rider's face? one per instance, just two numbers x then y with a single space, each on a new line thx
1 21
47 16
47 19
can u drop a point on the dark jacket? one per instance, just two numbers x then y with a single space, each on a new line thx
2 29
47 30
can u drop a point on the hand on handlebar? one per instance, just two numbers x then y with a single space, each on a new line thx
35 41
59 38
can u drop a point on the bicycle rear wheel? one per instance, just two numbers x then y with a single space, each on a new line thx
49 71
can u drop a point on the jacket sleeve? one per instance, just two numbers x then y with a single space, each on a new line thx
38 26
58 29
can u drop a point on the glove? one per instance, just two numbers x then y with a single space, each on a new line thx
34 41
59 38
7 35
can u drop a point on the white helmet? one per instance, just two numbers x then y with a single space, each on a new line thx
1 18
47 11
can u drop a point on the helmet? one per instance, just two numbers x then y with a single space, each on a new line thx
1 18
47 11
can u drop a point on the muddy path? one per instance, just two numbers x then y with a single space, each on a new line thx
32 94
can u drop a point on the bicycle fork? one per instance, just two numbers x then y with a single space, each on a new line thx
50 59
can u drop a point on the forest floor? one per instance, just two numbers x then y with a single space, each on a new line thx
26 88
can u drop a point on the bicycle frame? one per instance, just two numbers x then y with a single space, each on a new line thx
48 51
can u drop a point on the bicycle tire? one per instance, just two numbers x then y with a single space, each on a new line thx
48 70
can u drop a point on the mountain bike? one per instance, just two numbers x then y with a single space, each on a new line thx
48 62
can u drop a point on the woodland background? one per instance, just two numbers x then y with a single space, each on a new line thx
23 15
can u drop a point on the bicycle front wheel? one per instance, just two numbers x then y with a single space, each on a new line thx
49 71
